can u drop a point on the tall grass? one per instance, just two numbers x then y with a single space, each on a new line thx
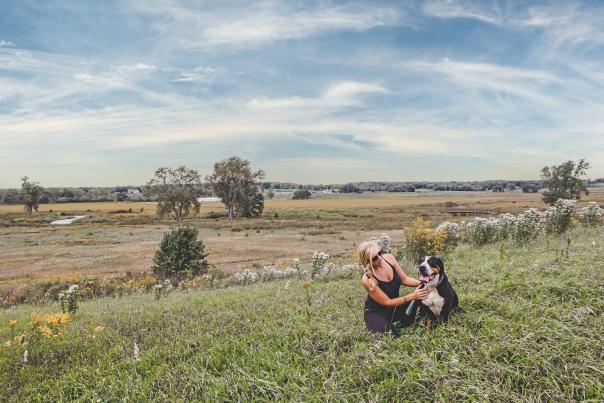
532 330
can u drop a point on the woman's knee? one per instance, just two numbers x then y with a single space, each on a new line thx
376 323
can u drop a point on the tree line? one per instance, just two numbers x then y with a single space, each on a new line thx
241 191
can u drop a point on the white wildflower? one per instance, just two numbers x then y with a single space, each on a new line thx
136 352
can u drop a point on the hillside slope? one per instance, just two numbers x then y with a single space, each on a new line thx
532 330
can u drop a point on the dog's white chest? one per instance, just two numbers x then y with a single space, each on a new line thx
434 302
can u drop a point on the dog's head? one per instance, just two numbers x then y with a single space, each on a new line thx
431 268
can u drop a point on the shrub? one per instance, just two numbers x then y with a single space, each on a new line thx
591 215
480 231
421 240
69 300
318 261
180 252
505 226
301 194
452 231
245 277
559 217
529 225
162 289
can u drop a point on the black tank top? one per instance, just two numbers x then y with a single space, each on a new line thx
390 288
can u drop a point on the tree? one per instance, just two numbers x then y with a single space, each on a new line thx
349 188
235 184
176 191
119 196
30 194
258 205
301 194
180 252
563 181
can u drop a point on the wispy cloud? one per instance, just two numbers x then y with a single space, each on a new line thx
201 73
385 89
484 11
342 94
265 22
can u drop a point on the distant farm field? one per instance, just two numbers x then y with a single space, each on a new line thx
111 241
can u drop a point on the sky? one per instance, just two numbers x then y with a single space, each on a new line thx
103 93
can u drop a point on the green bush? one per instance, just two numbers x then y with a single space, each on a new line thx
180 252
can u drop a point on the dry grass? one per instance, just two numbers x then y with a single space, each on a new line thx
112 244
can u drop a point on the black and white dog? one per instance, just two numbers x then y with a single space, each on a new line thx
442 301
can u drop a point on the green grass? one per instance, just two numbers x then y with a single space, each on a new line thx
526 334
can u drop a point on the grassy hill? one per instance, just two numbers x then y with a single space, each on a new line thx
532 330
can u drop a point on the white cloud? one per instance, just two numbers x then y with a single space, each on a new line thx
200 73
525 83
342 94
485 11
138 67
6 44
263 22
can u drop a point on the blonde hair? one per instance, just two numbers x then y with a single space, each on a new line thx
365 251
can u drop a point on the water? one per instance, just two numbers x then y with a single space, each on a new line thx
67 221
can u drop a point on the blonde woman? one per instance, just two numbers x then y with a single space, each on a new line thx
382 279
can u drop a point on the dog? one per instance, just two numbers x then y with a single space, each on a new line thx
442 300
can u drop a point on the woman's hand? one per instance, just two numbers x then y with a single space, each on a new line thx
419 294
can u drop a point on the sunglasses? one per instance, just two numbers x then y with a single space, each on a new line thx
376 257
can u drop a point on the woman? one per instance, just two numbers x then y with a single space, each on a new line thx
382 279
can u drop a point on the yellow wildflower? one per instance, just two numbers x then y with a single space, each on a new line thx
99 329
19 339
35 318
12 323
7 344
45 331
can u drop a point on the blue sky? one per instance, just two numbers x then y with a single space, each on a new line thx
102 93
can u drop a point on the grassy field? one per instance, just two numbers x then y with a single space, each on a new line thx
532 331
106 245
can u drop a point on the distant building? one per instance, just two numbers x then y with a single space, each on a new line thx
133 191
423 190
208 199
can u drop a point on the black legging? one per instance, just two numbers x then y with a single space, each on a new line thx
380 321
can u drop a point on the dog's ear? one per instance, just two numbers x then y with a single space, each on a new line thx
421 260
436 262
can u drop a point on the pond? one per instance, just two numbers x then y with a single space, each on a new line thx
67 221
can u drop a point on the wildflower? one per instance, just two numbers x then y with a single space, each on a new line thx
99 329
25 356
245 277
318 261
12 323
136 352
305 285
45 331
35 319
7 344
19 339
591 215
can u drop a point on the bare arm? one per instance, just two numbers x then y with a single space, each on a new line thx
381 298
406 280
